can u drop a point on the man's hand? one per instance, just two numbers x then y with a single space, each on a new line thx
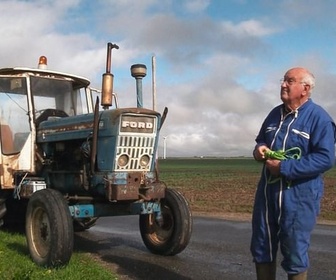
273 165
259 152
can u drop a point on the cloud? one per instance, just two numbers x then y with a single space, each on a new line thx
196 6
250 28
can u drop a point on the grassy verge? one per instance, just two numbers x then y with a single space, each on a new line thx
15 263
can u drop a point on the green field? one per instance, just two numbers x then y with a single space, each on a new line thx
223 186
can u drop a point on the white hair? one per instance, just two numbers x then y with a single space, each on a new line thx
309 79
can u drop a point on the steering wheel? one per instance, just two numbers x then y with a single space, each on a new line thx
45 114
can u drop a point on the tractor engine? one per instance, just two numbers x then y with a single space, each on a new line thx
124 165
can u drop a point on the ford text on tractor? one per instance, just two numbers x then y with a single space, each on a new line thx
68 158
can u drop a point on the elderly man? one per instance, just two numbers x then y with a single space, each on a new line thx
296 143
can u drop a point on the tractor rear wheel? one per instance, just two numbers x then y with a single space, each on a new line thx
49 228
172 235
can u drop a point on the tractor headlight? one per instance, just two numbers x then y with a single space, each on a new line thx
123 160
144 160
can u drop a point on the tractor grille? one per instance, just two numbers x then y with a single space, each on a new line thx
135 148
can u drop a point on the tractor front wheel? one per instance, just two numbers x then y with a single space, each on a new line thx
170 236
49 228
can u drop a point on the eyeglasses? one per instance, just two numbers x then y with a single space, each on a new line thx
289 81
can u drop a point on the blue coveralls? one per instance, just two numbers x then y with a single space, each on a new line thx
286 208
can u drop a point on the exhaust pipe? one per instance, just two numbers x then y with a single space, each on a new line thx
107 80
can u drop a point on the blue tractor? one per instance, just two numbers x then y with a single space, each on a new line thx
68 158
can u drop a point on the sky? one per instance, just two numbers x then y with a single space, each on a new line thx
217 63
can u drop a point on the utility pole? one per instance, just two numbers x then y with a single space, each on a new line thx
154 81
164 147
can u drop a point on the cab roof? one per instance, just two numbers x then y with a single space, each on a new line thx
78 80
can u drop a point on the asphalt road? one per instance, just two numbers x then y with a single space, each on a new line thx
218 249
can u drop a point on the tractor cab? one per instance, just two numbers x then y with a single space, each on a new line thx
27 98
